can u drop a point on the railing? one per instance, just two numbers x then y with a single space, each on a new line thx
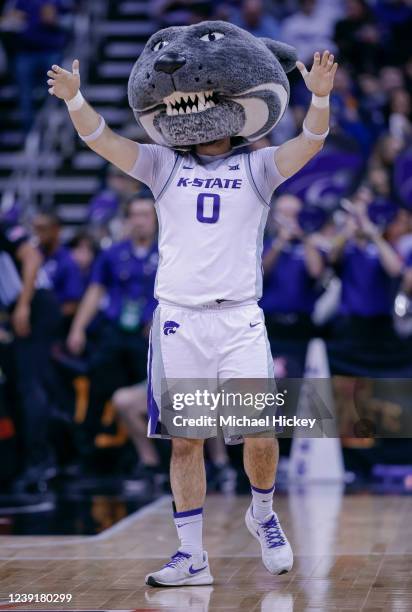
52 136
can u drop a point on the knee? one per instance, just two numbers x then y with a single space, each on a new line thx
183 447
120 400
130 400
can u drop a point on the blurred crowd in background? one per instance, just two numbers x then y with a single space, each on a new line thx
75 314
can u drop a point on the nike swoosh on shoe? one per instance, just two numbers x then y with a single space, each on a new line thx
196 571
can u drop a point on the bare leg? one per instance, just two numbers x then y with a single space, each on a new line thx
260 459
187 474
131 404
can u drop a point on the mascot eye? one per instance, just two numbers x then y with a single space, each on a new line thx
159 45
212 36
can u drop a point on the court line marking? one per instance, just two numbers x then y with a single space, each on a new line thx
99 537
234 556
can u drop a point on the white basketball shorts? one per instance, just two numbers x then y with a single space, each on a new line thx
218 343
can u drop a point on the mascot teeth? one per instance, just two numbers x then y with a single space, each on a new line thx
179 103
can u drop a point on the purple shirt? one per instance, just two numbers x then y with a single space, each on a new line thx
128 277
64 275
287 287
39 36
367 289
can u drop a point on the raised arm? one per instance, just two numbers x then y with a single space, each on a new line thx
294 154
90 126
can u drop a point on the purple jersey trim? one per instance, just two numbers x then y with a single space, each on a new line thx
254 186
169 178
188 513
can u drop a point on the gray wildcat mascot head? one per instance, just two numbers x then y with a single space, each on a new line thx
199 83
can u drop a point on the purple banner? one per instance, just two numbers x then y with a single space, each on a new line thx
326 179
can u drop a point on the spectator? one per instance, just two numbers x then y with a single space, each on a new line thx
378 179
345 111
106 207
395 20
399 229
42 32
370 271
34 321
253 18
293 265
400 126
123 277
372 102
308 30
83 250
59 265
385 153
391 77
358 38
181 12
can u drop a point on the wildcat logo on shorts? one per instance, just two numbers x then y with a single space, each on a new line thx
170 327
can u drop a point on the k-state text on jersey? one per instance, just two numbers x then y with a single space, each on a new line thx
210 183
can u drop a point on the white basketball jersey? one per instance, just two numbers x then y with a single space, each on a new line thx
211 223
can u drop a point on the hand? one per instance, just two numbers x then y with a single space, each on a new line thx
285 234
351 227
64 84
320 78
315 240
368 228
76 341
21 319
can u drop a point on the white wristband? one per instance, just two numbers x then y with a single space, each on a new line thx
320 101
312 136
75 103
97 132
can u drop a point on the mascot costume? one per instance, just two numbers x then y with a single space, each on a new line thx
184 92
200 92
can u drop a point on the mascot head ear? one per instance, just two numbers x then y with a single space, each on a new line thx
285 54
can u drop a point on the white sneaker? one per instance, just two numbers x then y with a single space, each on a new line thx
277 555
183 569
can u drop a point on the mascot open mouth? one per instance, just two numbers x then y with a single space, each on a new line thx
180 103
185 119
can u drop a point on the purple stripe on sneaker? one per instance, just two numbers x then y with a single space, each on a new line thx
263 491
188 513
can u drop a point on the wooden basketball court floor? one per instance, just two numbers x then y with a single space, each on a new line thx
351 553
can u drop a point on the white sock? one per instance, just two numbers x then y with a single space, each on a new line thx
189 525
262 503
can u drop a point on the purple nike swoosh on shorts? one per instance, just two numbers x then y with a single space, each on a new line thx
196 571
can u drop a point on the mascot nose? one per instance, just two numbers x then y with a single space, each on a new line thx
169 62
